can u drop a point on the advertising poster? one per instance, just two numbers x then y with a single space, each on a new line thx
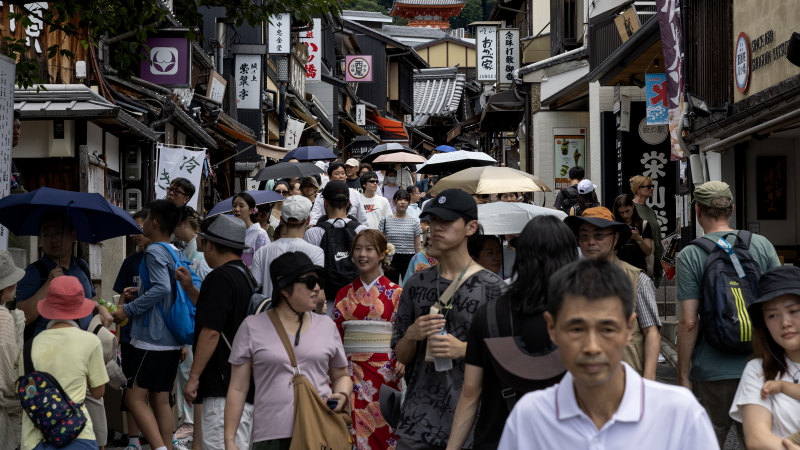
657 104
570 151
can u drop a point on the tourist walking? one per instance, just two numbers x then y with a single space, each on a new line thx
12 327
586 198
365 313
376 207
258 353
640 245
545 245
402 231
643 188
244 208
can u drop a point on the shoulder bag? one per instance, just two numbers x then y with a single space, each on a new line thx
316 426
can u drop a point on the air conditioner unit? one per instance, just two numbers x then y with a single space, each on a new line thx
133 200
133 163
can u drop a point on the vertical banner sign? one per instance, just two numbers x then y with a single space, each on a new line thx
509 54
280 33
361 115
487 53
313 40
248 81
174 162
657 102
294 129
358 68
7 75
570 151
669 20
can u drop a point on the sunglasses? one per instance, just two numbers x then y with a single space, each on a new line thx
311 281
372 181
283 192
649 186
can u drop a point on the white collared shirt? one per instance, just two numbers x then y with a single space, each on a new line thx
652 414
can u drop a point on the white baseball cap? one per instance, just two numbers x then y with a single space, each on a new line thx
295 207
352 162
586 186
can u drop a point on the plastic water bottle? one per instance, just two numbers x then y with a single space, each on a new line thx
442 364
112 308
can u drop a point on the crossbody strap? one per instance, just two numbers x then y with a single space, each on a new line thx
26 355
454 286
253 287
276 321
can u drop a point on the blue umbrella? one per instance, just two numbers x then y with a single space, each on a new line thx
445 149
94 218
311 153
261 197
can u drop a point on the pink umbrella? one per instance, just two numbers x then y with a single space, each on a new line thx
399 158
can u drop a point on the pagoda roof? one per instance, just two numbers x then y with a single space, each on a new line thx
429 3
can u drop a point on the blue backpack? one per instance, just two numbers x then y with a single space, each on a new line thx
47 404
180 318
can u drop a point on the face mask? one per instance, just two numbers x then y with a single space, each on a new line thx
392 180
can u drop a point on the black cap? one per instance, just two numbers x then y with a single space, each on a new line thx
288 267
452 204
775 282
336 190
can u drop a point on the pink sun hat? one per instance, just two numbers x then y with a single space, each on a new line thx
65 300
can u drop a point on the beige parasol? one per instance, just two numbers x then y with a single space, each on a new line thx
491 180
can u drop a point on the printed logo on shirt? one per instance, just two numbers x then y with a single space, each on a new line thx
369 208
341 255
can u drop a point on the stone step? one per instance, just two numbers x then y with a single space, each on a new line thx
667 309
669 329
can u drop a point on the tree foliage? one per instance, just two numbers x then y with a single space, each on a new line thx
473 12
91 20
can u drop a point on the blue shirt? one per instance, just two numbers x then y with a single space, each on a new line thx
32 281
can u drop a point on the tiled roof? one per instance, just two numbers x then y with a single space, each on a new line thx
413 32
430 2
437 93
365 15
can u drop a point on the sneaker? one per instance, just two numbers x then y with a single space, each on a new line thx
184 432
177 445
133 447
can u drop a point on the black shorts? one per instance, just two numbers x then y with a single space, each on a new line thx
151 369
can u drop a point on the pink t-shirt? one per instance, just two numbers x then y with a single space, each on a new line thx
257 342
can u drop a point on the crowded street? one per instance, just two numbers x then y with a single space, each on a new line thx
400 225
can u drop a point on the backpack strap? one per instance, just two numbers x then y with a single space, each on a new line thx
705 243
455 285
743 239
249 277
26 356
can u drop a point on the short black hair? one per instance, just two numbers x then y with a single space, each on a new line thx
141 214
333 166
577 173
166 213
366 176
204 225
17 115
401 194
590 278
410 188
476 242
185 185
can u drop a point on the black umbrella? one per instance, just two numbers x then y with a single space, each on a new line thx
287 170
384 149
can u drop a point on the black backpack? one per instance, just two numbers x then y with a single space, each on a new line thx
730 285
340 270
569 196
259 302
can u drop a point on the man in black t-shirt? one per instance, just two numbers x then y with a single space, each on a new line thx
221 307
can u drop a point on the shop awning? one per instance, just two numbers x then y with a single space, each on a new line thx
271 151
391 130
503 112
359 130
634 57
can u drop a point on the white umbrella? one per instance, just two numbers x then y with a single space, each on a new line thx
510 218
455 161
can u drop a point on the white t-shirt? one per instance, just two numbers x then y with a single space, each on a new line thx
265 255
784 409
375 209
355 210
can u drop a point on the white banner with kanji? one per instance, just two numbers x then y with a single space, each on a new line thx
175 162
280 33
294 130
313 40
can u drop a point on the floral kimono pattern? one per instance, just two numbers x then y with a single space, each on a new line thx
369 370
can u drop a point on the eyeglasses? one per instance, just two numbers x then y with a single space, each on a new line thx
597 237
311 281
372 181
649 186
174 190
283 192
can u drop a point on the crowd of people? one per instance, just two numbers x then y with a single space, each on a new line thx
397 312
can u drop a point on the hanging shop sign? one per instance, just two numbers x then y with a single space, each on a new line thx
509 54
570 151
168 61
487 53
742 63
358 68
174 162
216 86
280 33
669 21
248 81
657 103
294 130
7 75
313 41
361 115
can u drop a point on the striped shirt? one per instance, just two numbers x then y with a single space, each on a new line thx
401 233
646 308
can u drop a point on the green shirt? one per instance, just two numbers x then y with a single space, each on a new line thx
708 363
